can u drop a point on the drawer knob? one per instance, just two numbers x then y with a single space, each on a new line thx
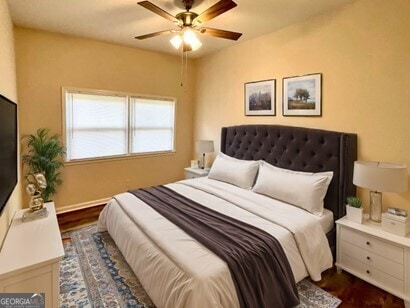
368 272
367 243
368 258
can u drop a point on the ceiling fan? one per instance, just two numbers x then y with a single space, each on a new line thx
190 22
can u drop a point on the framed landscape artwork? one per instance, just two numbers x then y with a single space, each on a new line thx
302 95
260 98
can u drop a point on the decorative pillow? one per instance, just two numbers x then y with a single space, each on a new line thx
303 189
234 171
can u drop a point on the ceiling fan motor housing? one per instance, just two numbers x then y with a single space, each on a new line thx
186 18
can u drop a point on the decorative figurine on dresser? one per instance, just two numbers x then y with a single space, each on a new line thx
37 184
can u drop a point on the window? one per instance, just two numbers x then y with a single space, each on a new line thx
100 125
152 125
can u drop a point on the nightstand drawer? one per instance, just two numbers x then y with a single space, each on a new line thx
371 259
372 244
372 274
192 173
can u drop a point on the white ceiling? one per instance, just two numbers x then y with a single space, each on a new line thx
119 21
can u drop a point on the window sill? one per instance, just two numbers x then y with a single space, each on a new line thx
116 158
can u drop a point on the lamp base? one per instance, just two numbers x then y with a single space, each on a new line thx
203 161
376 206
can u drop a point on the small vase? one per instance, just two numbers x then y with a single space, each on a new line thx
354 214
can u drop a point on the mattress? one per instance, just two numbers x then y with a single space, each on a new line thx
177 271
326 220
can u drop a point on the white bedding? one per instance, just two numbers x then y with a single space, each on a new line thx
177 271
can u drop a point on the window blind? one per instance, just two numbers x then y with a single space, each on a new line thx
152 125
114 124
96 125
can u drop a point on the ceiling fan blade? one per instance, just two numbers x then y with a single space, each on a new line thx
217 9
145 36
221 33
157 10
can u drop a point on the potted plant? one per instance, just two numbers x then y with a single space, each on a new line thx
45 155
354 210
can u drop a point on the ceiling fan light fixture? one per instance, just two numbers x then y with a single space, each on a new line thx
176 41
196 45
188 22
188 37
191 39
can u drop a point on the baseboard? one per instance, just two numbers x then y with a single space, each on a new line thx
81 206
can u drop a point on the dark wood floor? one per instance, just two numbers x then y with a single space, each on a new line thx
72 220
353 291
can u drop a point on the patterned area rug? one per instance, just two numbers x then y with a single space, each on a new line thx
94 273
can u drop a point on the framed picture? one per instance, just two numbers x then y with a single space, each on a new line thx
260 98
302 95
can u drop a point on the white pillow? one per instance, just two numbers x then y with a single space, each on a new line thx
303 189
234 171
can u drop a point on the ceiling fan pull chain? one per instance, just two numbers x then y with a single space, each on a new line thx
182 69
186 65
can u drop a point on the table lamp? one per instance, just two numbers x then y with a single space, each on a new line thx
379 177
204 146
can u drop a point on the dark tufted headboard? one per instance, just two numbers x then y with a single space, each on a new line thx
300 149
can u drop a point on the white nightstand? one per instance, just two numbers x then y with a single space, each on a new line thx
376 256
192 173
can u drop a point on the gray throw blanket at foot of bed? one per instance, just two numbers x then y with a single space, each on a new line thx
259 268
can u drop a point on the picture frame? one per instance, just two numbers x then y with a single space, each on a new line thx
302 95
260 98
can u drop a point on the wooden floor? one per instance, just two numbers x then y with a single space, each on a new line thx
353 291
72 220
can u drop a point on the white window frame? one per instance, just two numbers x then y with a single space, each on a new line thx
66 91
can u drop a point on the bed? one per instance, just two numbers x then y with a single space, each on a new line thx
177 271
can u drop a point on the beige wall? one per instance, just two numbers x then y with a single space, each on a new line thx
8 89
363 52
48 61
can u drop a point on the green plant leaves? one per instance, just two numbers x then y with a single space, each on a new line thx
45 154
354 202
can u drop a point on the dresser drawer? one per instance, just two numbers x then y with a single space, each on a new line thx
372 274
372 244
371 259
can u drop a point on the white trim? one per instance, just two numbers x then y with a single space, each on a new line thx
115 93
81 206
107 159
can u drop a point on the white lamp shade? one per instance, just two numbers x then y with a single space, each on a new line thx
204 146
191 39
382 177
188 37
176 41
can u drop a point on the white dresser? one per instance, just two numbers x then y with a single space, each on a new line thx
29 258
376 256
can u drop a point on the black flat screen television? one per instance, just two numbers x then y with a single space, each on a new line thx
8 149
